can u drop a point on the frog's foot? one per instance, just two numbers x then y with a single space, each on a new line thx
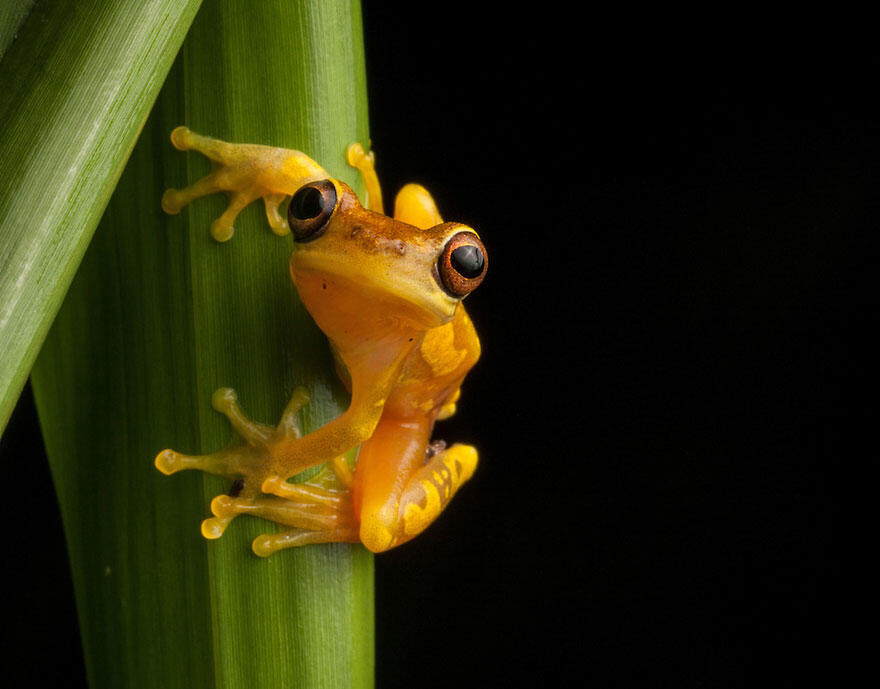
320 507
316 511
243 463
245 172
307 522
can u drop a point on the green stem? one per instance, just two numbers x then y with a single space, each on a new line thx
158 317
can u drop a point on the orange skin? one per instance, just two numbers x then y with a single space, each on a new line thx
387 296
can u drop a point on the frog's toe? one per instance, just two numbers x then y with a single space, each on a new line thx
173 201
277 222
312 512
225 401
274 485
182 138
213 527
222 230
269 543
266 544
170 462
225 508
356 156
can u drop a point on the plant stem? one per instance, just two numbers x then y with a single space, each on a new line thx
159 316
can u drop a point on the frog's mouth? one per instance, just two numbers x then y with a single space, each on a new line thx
369 289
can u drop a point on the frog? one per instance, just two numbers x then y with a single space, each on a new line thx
387 292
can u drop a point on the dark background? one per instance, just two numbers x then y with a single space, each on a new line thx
677 217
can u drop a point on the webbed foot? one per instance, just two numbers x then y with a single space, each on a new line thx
314 511
245 172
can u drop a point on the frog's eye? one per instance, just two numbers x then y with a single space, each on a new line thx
310 209
462 265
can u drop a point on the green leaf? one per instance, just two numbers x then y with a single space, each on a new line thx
159 316
76 86
12 14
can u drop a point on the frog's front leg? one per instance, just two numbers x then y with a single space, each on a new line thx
245 172
315 511
365 163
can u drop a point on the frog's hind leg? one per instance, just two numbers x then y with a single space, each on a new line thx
314 511
320 508
403 483
308 522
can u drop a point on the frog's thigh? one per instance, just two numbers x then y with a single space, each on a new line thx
415 205
397 492
385 462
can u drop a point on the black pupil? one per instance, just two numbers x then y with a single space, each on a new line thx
467 260
307 204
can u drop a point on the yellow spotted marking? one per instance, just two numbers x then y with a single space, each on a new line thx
446 411
447 478
438 350
415 518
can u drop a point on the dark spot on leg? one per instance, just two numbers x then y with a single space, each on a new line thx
237 487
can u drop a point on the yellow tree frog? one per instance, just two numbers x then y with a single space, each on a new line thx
387 292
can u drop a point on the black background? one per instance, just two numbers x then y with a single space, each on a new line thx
677 211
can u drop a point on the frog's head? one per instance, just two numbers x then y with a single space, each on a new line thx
352 265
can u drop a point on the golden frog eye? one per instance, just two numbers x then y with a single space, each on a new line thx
310 210
463 263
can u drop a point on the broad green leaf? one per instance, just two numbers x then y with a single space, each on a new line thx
76 86
158 317
12 14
